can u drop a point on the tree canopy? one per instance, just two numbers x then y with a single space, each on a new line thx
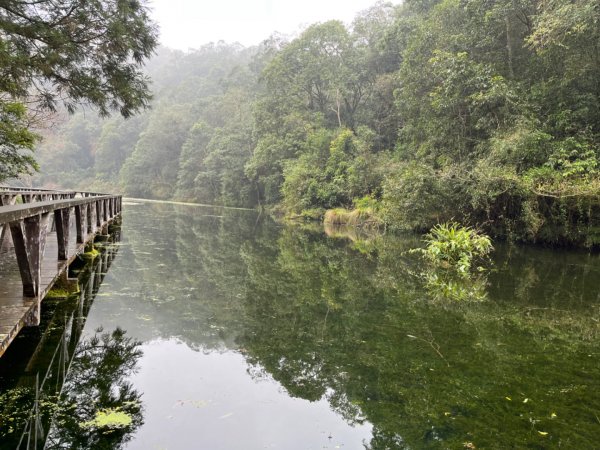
68 53
483 112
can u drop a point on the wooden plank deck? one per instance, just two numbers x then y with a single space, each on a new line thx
15 308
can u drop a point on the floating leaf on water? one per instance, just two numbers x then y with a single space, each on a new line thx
543 433
508 398
553 416
526 400
411 336
226 416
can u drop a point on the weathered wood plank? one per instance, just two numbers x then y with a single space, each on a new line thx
27 273
19 212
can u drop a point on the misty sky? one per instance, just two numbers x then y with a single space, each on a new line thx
190 23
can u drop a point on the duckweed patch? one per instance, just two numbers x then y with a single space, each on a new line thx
108 419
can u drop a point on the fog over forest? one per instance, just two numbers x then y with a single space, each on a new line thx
483 112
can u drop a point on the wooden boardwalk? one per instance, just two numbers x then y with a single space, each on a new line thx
23 285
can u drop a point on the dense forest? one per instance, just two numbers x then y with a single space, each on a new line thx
482 111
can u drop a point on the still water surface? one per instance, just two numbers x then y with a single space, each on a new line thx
219 329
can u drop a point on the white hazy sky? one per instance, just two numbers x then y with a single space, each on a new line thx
188 24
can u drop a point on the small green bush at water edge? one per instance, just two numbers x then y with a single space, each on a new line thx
452 246
363 214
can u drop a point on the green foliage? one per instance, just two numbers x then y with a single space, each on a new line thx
335 169
452 246
92 53
415 197
151 170
68 54
487 113
16 141
574 158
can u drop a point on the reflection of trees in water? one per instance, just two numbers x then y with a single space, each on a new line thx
197 249
36 367
352 324
97 382
347 320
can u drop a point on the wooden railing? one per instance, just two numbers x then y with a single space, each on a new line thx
27 213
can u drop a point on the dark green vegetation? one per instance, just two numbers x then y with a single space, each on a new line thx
65 54
83 399
484 112
351 322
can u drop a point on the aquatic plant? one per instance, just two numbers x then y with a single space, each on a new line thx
109 419
452 246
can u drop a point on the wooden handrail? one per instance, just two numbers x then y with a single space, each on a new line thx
31 190
29 225
13 213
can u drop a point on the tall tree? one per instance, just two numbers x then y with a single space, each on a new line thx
72 52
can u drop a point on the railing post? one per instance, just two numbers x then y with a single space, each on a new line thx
5 200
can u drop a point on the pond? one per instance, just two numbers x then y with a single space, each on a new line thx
220 329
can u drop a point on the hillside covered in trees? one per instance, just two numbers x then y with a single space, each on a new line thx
485 112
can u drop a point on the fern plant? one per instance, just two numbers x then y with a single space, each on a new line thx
452 246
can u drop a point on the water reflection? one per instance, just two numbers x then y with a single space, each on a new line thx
257 335
345 320
99 409
53 381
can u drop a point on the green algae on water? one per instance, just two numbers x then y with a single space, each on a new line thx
111 419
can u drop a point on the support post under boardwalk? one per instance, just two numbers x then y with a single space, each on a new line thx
80 217
91 218
61 219
29 239
98 213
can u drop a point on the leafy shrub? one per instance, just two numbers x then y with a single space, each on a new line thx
415 197
452 246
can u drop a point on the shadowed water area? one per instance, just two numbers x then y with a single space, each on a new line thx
219 329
